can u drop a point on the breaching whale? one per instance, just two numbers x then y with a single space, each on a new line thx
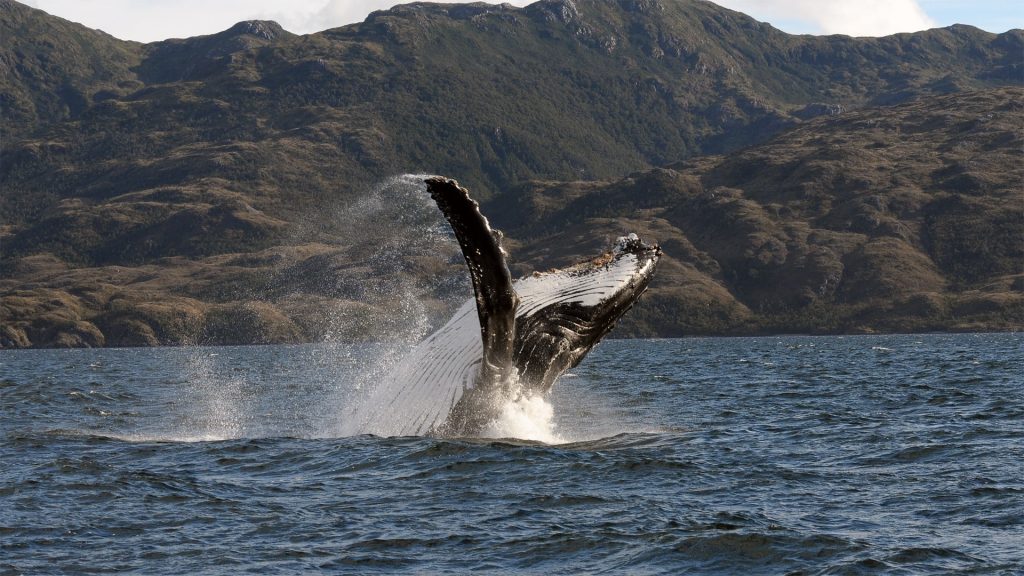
513 338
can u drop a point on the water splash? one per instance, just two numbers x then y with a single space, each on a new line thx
416 229
525 418
403 238
389 231
219 407
216 401
397 237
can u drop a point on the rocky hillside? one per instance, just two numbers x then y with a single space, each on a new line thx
207 189
496 94
905 218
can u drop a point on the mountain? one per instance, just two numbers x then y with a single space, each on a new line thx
165 192
904 218
53 69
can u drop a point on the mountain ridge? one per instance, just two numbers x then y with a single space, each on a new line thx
156 165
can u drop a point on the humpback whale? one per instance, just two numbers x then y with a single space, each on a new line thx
512 338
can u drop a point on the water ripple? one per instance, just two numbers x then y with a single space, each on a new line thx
857 455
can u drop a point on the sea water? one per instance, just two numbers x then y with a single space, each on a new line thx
799 455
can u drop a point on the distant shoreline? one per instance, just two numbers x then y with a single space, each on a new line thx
1019 330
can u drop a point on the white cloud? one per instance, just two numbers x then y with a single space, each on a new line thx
340 12
149 20
852 17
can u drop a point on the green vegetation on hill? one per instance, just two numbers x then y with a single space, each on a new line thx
165 192
905 218
53 70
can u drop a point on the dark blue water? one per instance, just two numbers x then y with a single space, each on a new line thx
799 455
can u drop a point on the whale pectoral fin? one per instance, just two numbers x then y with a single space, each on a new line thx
565 313
496 300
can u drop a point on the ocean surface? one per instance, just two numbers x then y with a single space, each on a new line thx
781 455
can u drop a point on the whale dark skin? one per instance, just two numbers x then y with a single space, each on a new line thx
524 353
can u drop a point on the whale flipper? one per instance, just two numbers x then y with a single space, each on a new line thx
523 335
496 300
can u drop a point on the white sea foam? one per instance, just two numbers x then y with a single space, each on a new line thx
169 438
527 418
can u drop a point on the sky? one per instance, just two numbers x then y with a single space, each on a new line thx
150 20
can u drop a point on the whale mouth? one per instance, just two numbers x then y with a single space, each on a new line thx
514 339
631 242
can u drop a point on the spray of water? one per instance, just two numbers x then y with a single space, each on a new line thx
366 278
403 237
396 237
422 231
526 418
213 401
390 235
219 401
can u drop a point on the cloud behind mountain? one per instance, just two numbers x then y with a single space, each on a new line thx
853 18
152 20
